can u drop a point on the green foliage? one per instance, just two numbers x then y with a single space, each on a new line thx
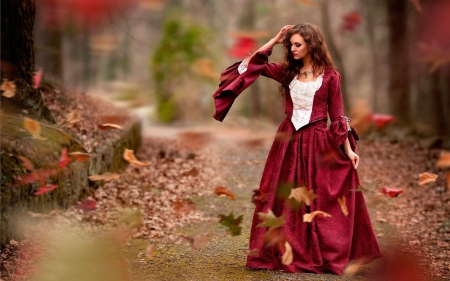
231 223
166 110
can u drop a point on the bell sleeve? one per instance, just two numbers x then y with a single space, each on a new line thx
236 78
340 124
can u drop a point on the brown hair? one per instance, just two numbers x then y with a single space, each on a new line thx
320 57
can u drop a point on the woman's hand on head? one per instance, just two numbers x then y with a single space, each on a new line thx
279 38
354 158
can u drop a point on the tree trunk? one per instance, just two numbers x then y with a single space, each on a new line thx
398 59
17 57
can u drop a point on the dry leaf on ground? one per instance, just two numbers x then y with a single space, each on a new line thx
311 216
183 207
220 190
8 88
73 117
426 178
128 155
106 177
110 126
33 127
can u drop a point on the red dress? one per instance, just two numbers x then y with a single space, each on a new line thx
311 156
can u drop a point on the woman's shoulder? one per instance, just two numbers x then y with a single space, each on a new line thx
331 72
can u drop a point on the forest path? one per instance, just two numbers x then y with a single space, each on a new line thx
241 163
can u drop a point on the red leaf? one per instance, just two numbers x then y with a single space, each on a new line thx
351 21
380 120
259 197
45 189
64 159
37 78
392 192
87 205
243 47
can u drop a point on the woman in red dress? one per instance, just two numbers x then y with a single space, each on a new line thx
308 163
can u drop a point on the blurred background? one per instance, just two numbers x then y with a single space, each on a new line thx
163 58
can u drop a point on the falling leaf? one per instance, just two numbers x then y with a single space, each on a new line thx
39 175
360 115
73 117
307 3
259 197
287 257
153 4
194 140
183 207
391 192
380 120
444 160
283 136
220 190
426 178
80 156
37 78
353 267
253 142
192 172
45 189
26 163
251 253
311 216
343 203
104 177
33 127
364 189
102 43
198 241
275 237
242 47
231 223
8 88
204 67
302 194
64 159
435 55
109 126
351 21
150 251
130 217
128 155
270 220
87 205
417 5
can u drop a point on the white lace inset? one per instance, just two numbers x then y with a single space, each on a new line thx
242 68
302 94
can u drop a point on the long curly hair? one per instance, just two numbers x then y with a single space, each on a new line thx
320 57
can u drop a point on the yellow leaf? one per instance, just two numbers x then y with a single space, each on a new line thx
311 216
80 156
128 155
343 202
426 178
33 127
108 126
287 257
106 177
220 190
302 194
444 160
8 88
73 117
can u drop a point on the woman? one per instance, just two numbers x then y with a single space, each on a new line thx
305 158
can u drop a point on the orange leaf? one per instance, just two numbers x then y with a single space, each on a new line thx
251 253
287 257
106 177
192 172
33 127
220 190
45 189
129 156
183 207
302 194
311 216
73 117
108 126
26 163
426 178
8 88
444 160
342 201
150 251
307 2
80 156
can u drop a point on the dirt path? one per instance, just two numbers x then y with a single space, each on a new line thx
222 258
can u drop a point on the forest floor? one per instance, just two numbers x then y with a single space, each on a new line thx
178 236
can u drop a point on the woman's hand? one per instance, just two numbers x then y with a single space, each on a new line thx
279 38
354 158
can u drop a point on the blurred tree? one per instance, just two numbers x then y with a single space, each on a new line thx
17 56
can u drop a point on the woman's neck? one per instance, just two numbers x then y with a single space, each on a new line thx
307 63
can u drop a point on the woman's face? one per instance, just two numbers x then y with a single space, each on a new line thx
299 48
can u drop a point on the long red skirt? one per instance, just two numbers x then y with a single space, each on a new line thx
309 157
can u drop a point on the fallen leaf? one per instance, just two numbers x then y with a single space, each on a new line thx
130 217
311 216
87 205
444 160
37 78
417 5
128 155
251 253
391 192
183 207
33 127
287 257
259 197
302 194
231 223
150 251
45 189
80 156
343 202
64 159
426 178
109 126
8 88
270 220
104 177
73 117
220 190
26 163
307 2
192 172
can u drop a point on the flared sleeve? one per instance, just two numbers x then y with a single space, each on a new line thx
233 83
340 124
